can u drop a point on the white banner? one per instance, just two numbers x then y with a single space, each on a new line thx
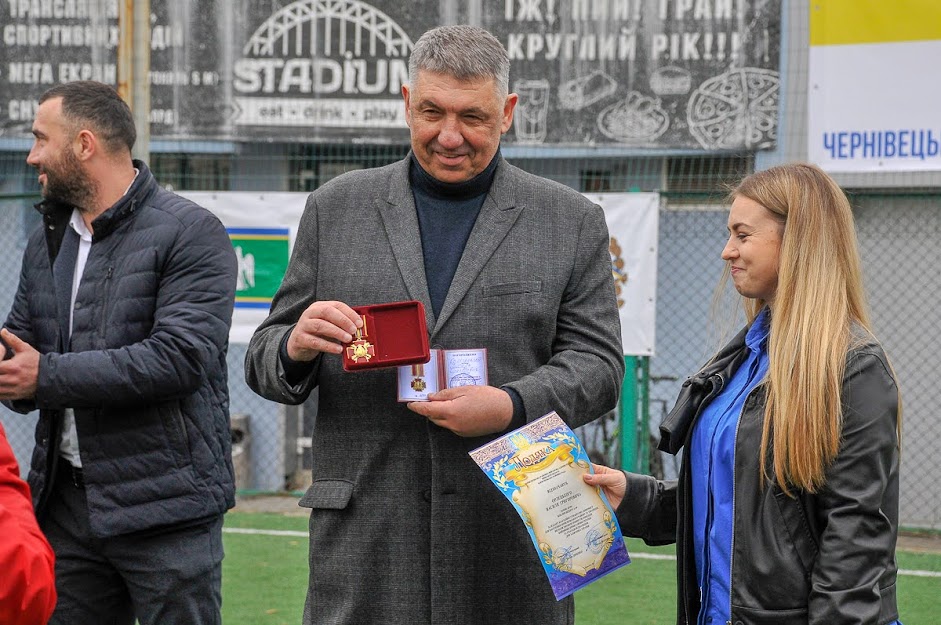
873 98
263 226
633 220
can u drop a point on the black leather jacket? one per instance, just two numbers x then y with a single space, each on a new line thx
825 558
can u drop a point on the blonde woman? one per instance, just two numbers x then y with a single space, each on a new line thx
786 507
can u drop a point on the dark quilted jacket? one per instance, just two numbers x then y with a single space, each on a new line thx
146 371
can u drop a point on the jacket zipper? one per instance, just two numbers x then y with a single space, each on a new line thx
102 330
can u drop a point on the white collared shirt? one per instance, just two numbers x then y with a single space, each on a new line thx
68 446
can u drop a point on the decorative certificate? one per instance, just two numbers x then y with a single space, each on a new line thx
539 468
447 368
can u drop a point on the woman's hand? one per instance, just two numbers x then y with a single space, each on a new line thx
612 482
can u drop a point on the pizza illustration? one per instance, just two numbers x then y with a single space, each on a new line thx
636 119
736 109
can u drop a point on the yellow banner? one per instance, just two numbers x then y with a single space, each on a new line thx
840 22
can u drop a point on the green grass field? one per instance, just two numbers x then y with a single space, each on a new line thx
265 578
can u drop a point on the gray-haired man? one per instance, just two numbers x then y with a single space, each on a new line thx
404 526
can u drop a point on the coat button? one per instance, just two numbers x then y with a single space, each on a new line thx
426 495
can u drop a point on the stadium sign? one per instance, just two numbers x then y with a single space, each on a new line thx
323 63
662 74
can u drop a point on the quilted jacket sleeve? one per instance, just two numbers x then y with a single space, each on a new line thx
189 336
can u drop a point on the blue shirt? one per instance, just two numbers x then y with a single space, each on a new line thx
712 462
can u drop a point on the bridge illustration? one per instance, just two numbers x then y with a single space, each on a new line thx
329 28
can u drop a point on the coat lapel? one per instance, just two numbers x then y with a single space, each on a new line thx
497 216
63 271
400 221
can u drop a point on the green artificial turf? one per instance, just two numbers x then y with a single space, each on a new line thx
264 580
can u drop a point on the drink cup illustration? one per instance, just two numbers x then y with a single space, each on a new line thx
532 110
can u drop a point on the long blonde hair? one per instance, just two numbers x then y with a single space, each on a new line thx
819 298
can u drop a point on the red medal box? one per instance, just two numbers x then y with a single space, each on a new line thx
393 334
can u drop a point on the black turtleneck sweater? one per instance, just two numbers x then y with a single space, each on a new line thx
446 216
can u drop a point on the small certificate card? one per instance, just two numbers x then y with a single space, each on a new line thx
446 369
539 468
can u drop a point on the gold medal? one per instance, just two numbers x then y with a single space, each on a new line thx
361 349
418 384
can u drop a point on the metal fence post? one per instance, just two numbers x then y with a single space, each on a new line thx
629 415
635 424
134 68
643 420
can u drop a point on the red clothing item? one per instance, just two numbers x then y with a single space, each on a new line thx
27 564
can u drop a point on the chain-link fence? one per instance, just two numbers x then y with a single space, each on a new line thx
899 237
898 219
